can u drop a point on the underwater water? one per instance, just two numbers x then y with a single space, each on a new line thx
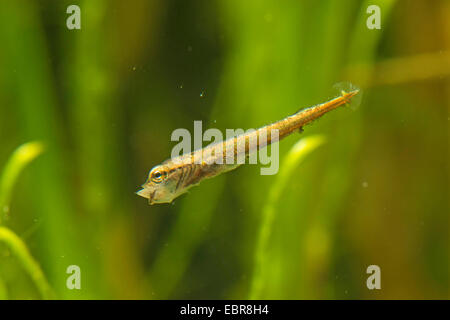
86 113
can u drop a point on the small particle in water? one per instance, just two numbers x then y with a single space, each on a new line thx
202 94
189 48
181 86
134 68
365 184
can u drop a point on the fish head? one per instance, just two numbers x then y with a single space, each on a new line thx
161 185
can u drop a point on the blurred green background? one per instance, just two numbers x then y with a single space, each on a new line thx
105 99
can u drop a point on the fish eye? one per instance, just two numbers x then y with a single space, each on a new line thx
158 175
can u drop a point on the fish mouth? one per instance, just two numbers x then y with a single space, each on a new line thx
145 193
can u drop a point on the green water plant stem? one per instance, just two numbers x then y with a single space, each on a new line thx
297 153
32 268
19 159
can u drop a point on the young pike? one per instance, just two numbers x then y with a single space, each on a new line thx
175 176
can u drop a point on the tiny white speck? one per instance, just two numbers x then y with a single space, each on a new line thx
365 184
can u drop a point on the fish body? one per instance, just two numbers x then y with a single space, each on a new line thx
175 176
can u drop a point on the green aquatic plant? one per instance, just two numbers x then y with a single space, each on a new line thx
22 156
19 159
29 264
295 156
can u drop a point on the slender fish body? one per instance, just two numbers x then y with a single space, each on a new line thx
175 176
